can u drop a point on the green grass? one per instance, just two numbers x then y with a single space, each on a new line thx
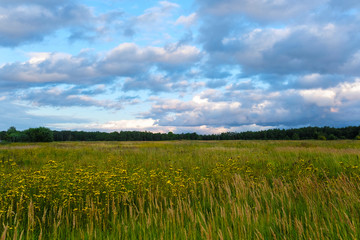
180 190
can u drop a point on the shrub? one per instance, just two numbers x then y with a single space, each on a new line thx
332 137
321 137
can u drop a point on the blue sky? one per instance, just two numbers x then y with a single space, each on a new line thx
201 66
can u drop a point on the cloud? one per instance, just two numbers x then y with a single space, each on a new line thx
322 49
313 81
236 108
274 11
128 65
216 83
24 22
136 124
320 97
158 83
155 14
204 129
52 68
155 83
187 20
236 65
345 4
260 10
152 20
116 125
28 23
16 114
126 60
152 125
352 64
34 2
65 97
279 41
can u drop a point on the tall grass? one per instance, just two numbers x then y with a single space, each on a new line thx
180 190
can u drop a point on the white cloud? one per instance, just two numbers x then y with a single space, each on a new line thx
151 125
135 124
320 97
349 91
132 52
310 78
155 14
187 20
38 57
333 97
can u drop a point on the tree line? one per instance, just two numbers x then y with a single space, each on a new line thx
42 134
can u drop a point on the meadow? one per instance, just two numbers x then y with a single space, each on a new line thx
180 190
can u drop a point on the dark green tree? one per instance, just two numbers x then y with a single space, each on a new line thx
40 134
13 135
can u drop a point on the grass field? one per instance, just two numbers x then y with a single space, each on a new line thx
180 190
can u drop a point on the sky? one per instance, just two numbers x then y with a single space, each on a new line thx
205 66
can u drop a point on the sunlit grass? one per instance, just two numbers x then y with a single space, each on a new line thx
180 190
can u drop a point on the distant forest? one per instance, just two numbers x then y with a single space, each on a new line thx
43 134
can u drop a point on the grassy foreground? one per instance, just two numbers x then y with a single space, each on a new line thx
180 190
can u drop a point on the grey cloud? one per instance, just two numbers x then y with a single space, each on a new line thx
155 84
130 100
58 97
345 4
23 24
82 34
95 90
240 34
304 51
186 39
215 71
213 31
154 14
111 16
152 18
242 85
259 10
18 115
127 60
54 68
265 12
47 3
289 108
216 83
314 80
129 31
325 49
